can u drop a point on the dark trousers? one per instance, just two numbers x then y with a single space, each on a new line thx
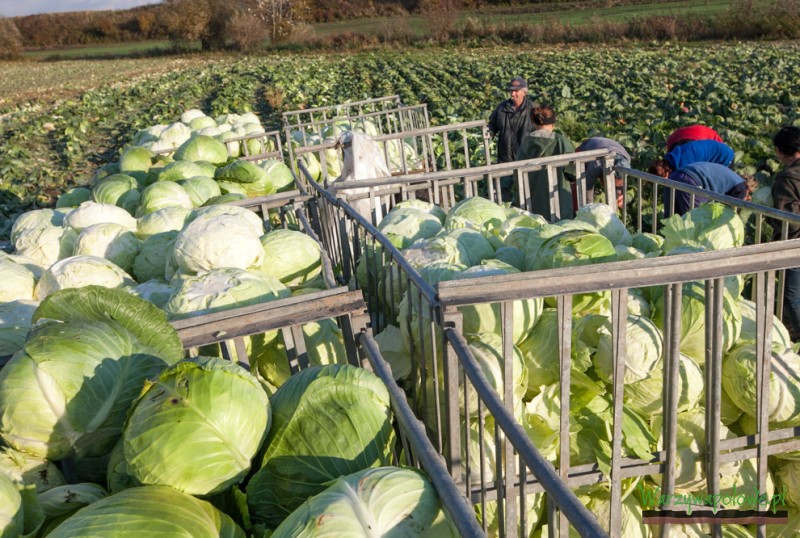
791 305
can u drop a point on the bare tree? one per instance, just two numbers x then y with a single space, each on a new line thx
282 17
10 40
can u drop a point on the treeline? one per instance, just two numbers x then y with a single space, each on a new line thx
53 30
162 21
249 25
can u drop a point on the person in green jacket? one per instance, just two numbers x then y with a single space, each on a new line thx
546 141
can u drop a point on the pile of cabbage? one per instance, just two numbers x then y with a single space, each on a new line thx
189 163
106 428
188 261
478 238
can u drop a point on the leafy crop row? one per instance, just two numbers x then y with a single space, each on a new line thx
634 95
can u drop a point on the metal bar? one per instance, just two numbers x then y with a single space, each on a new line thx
713 388
564 326
629 274
673 294
619 326
221 326
583 521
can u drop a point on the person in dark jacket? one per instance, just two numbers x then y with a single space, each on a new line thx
786 196
510 122
712 177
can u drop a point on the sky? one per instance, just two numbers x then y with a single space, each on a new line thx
13 8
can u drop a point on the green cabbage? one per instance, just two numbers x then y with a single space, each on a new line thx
149 510
328 421
387 501
197 427
291 257
67 393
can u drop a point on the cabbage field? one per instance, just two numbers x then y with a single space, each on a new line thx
638 96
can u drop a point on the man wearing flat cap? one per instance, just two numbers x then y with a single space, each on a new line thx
511 121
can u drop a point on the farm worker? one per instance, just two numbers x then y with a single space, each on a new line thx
510 122
786 196
695 151
691 132
545 141
594 170
709 176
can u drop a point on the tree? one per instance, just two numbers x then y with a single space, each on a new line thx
10 40
206 21
282 17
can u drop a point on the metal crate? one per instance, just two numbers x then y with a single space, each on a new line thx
288 315
442 353
446 187
388 114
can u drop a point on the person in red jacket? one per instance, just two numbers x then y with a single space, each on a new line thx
691 132
786 196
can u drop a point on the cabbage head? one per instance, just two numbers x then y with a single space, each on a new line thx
68 391
163 220
540 352
645 396
483 213
17 282
218 241
487 317
252 220
279 175
24 469
351 406
15 322
117 190
574 248
713 226
606 221
404 226
80 271
324 345
200 189
643 347
780 335
36 220
198 441
110 241
150 510
176 171
384 501
292 257
222 289
89 213
163 194
202 148
12 516
422 205
151 260
739 381
155 291
74 197
136 159
693 320
44 246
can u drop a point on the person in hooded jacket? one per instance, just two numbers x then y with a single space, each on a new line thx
510 122
546 141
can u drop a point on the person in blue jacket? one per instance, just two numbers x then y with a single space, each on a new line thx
712 177
690 152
